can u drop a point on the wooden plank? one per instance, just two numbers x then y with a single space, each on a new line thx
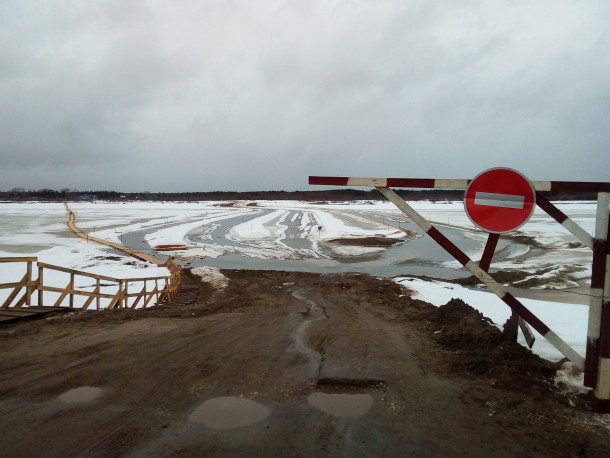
82 293
16 312
25 313
113 303
20 284
62 296
97 298
28 288
71 287
76 272
139 296
150 296
15 292
91 297
40 286
18 259
95 276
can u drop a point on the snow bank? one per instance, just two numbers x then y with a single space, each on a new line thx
213 276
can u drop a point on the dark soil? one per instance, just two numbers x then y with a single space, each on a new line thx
442 382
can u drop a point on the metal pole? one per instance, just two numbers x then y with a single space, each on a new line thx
597 291
602 392
488 252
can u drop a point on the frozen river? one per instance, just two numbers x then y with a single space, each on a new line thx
324 238
416 255
295 236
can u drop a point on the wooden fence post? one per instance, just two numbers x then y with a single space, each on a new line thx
121 294
71 286
28 288
40 287
98 290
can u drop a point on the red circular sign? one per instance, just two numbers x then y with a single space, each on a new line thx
499 200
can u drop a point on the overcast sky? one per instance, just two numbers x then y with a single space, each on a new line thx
201 95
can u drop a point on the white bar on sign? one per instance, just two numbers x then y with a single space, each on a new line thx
493 199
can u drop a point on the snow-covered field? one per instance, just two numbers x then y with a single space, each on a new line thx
282 230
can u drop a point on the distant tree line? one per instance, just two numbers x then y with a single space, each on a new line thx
67 195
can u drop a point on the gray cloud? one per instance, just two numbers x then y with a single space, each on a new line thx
249 95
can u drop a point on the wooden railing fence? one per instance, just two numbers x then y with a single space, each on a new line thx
106 292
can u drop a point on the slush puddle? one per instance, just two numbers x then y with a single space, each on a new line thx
82 394
342 405
229 412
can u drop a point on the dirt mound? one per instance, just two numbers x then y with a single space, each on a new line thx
464 328
501 276
477 348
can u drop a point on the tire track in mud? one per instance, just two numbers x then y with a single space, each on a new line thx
313 313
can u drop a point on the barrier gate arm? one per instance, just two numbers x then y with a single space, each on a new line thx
454 183
458 183
484 277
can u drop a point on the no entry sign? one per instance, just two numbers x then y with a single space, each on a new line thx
499 200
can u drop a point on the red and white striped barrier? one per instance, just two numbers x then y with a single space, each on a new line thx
430 183
603 381
485 278
597 363
564 220
433 183
598 272
597 369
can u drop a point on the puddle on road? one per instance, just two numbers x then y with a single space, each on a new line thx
82 394
229 412
342 405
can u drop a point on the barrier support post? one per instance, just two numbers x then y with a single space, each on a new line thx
602 392
484 277
598 274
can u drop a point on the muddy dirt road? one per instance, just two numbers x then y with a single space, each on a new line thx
284 364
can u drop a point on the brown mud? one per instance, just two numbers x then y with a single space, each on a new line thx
367 241
285 364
